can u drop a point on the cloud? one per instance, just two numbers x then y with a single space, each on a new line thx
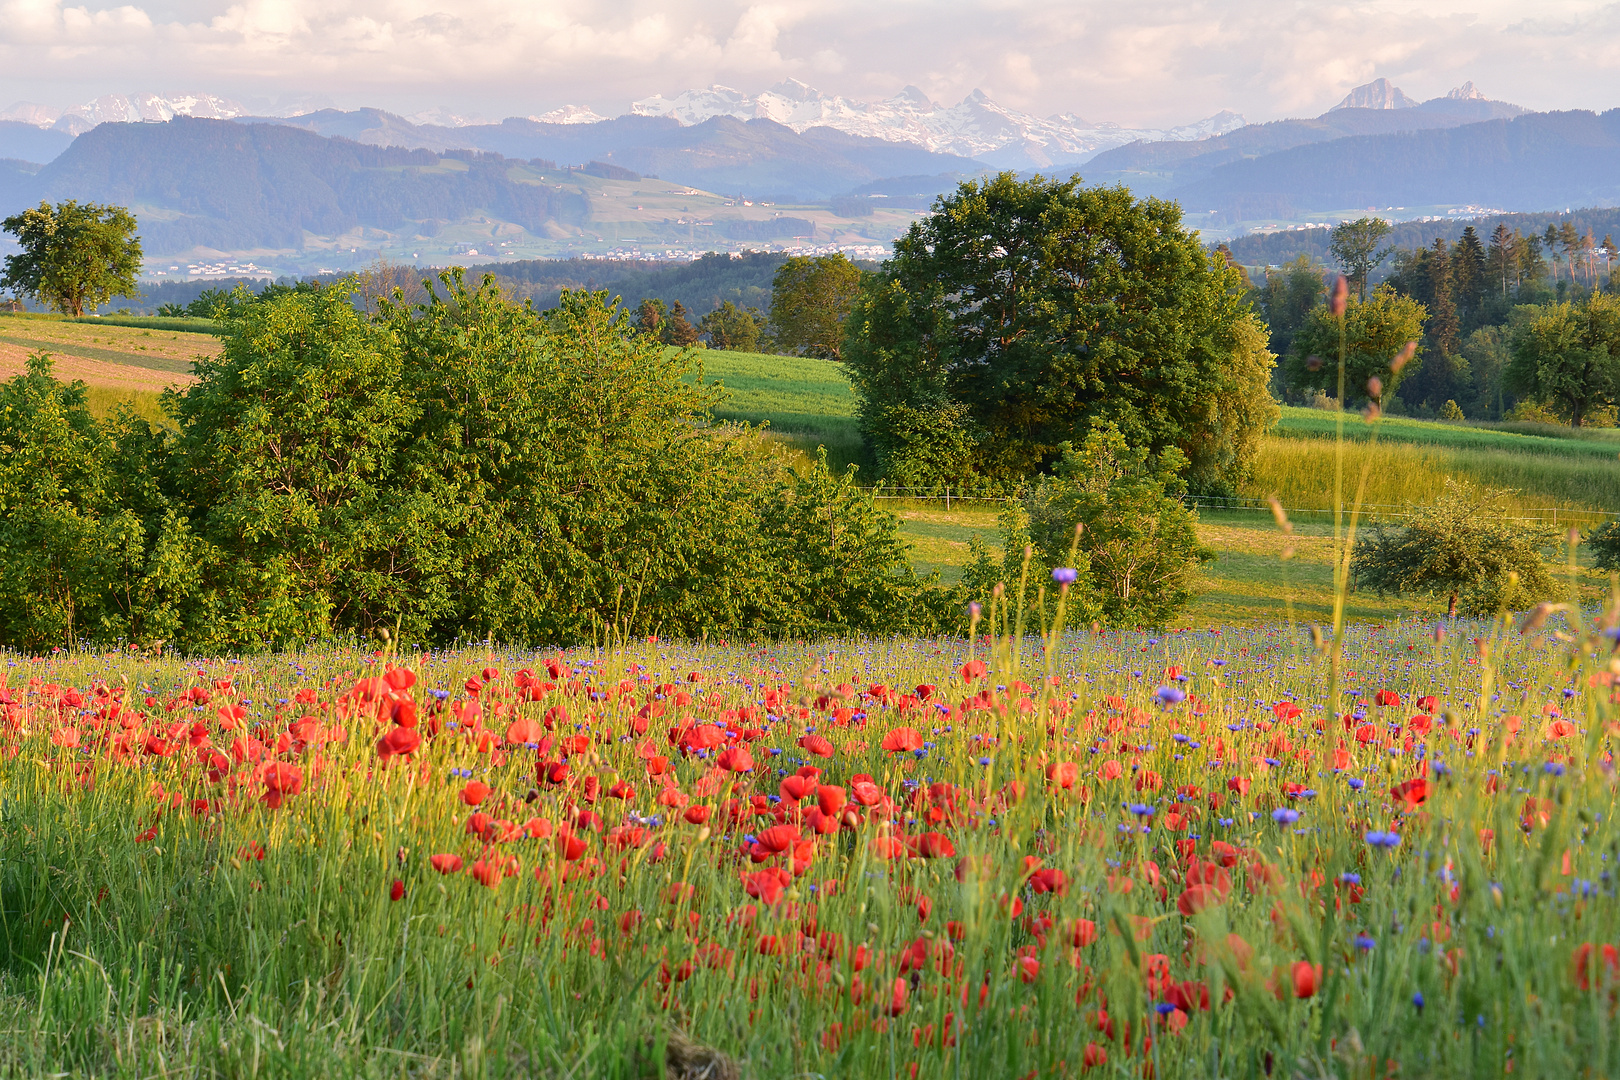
1147 62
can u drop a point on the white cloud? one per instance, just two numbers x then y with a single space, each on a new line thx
1140 63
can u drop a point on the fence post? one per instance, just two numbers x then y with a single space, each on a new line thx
947 498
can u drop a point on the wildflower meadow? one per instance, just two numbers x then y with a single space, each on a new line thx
1024 853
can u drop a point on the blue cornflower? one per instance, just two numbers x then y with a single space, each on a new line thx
1140 809
1417 1000
1170 695
1284 815
1356 784
1065 575
1382 839
1364 942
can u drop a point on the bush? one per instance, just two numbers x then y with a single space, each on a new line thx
1462 547
1605 544
1137 548
461 468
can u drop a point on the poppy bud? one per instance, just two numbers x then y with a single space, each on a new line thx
396 891
1341 294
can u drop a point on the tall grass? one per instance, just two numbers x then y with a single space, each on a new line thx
1300 473
104 401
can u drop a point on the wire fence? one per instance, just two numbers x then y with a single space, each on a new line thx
1549 515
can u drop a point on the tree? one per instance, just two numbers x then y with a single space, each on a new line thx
731 327
1374 333
1354 245
810 299
1468 274
678 329
73 255
1503 259
1043 309
1464 548
1569 353
1289 294
1138 548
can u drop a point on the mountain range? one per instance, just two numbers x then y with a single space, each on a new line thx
207 174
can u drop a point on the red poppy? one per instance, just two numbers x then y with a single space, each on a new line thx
1583 966
1195 898
817 745
974 669
897 997
736 759
1062 774
396 891
933 845
400 741
446 864
1307 978
1386 697
1413 792
475 792
903 740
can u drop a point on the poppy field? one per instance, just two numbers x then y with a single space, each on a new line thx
1215 853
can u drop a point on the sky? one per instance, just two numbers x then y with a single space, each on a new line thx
1133 62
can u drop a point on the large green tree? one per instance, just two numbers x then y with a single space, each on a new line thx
1373 333
74 256
1029 311
810 299
1356 248
1568 354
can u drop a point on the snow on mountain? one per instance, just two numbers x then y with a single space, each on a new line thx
125 109
570 114
976 127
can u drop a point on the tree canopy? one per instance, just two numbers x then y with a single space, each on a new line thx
810 299
1021 314
1355 247
1569 354
461 468
1374 333
74 256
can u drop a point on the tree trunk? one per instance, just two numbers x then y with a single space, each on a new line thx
1451 608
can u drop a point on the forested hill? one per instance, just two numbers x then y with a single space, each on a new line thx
1159 168
1539 161
701 285
227 186
1283 245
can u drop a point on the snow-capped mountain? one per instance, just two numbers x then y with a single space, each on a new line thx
976 127
570 114
124 108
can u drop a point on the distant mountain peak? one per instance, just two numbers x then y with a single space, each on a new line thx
1467 92
1378 94
570 114
976 127
126 109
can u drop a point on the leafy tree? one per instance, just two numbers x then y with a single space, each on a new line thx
1605 544
810 299
90 548
1138 548
73 255
1355 246
1289 294
1043 309
1569 353
731 327
1374 333
1464 548
678 328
